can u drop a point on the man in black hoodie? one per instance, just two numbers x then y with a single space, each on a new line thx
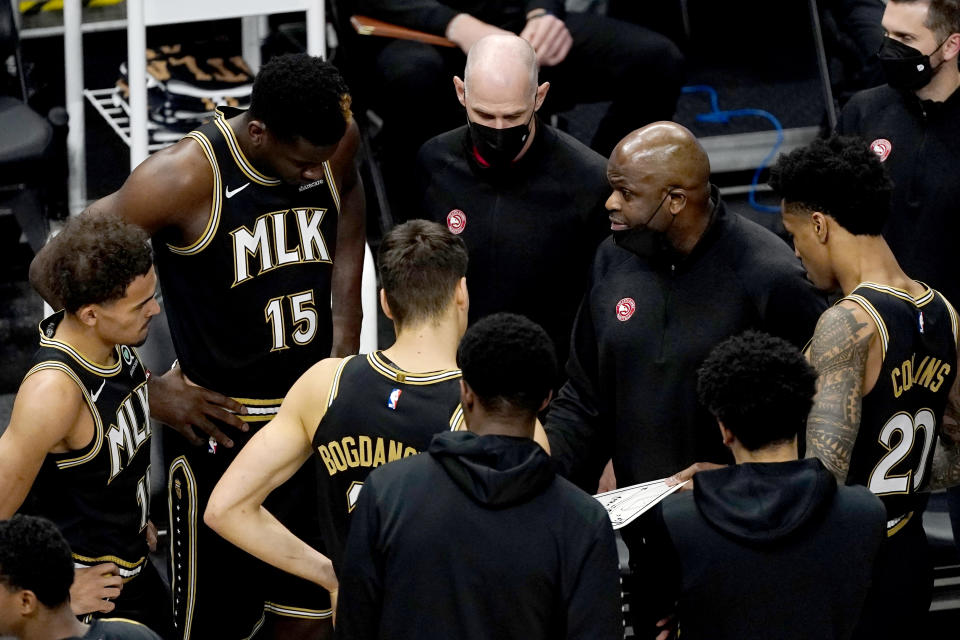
479 538
815 543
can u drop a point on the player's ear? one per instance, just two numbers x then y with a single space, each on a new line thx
821 225
725 434
27 603
384 304
461 296
461 90
88 314
546 401
467 397
257 131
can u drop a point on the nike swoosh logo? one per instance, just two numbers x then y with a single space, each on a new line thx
230 193
97 394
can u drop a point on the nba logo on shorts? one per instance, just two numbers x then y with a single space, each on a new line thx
881 147
394 399
625 309
456 221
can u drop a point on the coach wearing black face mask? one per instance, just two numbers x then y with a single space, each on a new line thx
526 198
913 124
680 275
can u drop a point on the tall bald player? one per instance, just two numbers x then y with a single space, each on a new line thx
887 407
257 219
679 275
360 412
77 449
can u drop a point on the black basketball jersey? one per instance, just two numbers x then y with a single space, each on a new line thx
99 496
249 301
376 413
901 415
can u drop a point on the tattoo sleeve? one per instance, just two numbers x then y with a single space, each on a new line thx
839 352
946 456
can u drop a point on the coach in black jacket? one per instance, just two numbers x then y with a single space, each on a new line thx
680 275
769 547
478 538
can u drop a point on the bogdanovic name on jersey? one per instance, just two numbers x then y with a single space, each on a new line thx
268 242
362 451
930 374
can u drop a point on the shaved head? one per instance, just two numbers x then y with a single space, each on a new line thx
502 60
668 151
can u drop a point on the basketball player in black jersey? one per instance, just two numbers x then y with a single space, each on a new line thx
887 405
358 413
36 570
77 449
257 221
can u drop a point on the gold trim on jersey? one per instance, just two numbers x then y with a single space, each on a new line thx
97 442
953 319
259 410
924 298
82 360
256 626
380 365
456 420
233 144
127 570
898 524
216 204
881 325
191 542
335 383
332 184
127 620
296 612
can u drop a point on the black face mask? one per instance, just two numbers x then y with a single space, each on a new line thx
906 67
498 147
645 242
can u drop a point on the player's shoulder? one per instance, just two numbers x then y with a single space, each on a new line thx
578 505
842 325
872 98
51 382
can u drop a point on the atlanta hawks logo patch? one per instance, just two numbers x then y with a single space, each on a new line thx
881 147
456 221
625 309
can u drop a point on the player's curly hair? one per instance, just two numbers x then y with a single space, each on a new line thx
760 387
420 263
297 95
839 176
943 16
35 557
509 362
95 258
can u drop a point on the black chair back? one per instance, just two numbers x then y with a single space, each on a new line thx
10 45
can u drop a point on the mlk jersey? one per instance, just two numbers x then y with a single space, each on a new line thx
376 413
901 415
99 496
248 302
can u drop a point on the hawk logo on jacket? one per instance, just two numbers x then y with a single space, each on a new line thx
456 221
881 147
625 309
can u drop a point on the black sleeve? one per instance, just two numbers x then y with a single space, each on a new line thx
424 15
790 306
361 581
593 609
580 444
556 7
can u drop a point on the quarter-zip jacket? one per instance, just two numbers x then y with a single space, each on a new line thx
919 141
645 327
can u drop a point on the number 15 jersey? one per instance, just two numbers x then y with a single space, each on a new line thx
901 415
249 300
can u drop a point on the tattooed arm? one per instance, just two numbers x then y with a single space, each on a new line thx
946 456
838 351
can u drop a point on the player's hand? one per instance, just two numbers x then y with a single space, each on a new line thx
151 534
549 37
608 480
334 595
666 626
177 402
93 586
689 472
